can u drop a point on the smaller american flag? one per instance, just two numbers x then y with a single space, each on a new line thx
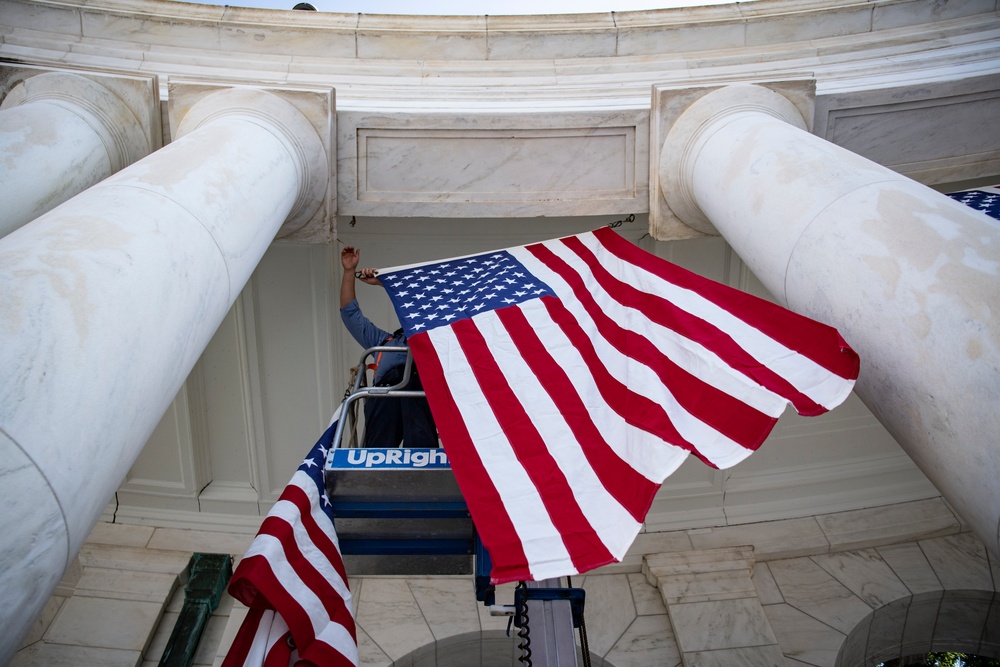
293 580
985 200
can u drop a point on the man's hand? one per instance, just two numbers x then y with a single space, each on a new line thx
369 276
349 257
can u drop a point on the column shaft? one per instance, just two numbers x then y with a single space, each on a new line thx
106 303
910 277
60 133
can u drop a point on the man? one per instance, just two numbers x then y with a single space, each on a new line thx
387 420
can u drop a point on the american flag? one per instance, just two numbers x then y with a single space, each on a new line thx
985 200
569 378
293 580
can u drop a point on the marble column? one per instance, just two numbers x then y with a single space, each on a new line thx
60 133
909 277
107 301
713 607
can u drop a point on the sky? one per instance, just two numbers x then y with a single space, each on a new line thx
469 7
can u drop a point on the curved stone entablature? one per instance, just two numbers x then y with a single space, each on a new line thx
527 116
418 63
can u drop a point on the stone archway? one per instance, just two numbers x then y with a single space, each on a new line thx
964 621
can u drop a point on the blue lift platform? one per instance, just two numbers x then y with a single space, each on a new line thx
400 511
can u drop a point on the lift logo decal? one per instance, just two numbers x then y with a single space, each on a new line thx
382 459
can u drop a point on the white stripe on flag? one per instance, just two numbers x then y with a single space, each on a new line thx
718 448
613 524
687 353
803 373
644 452
519 495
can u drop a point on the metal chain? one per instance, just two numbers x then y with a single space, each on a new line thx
524 633
618 223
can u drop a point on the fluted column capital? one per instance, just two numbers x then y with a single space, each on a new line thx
302 120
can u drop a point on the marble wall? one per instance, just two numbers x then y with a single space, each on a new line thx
793 592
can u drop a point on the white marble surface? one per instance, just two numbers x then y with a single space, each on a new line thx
807 587
647 641
959 561
908 276
391 617
706 626
802 637
865 574
300 118
60 133
523 165
109 299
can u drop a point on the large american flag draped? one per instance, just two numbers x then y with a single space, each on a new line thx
293 580
569 378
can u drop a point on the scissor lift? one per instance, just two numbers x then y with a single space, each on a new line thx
400 511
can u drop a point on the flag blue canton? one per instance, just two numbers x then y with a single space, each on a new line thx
434 295
981 200
313 465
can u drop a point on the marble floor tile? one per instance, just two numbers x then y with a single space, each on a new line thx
233 622
911 567
390 615
126 585
609 601
369 653
758 656
876 526
647 598
104 623
763 581
807 587
959 561
43 621
200 541
771 540
865 574
447 605
211 637
120 534
132 558
57 655
648 641
802 637
705 626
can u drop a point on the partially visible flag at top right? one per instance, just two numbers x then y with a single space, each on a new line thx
985 200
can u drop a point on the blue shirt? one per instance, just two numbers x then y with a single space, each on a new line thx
368 335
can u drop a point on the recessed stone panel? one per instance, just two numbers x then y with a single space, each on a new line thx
517 165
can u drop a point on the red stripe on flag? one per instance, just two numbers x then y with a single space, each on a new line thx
584 546
243 643
817 341
728 415
636 409
320 539
669 315
313 580
280 653
298 620
631 489
480 493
